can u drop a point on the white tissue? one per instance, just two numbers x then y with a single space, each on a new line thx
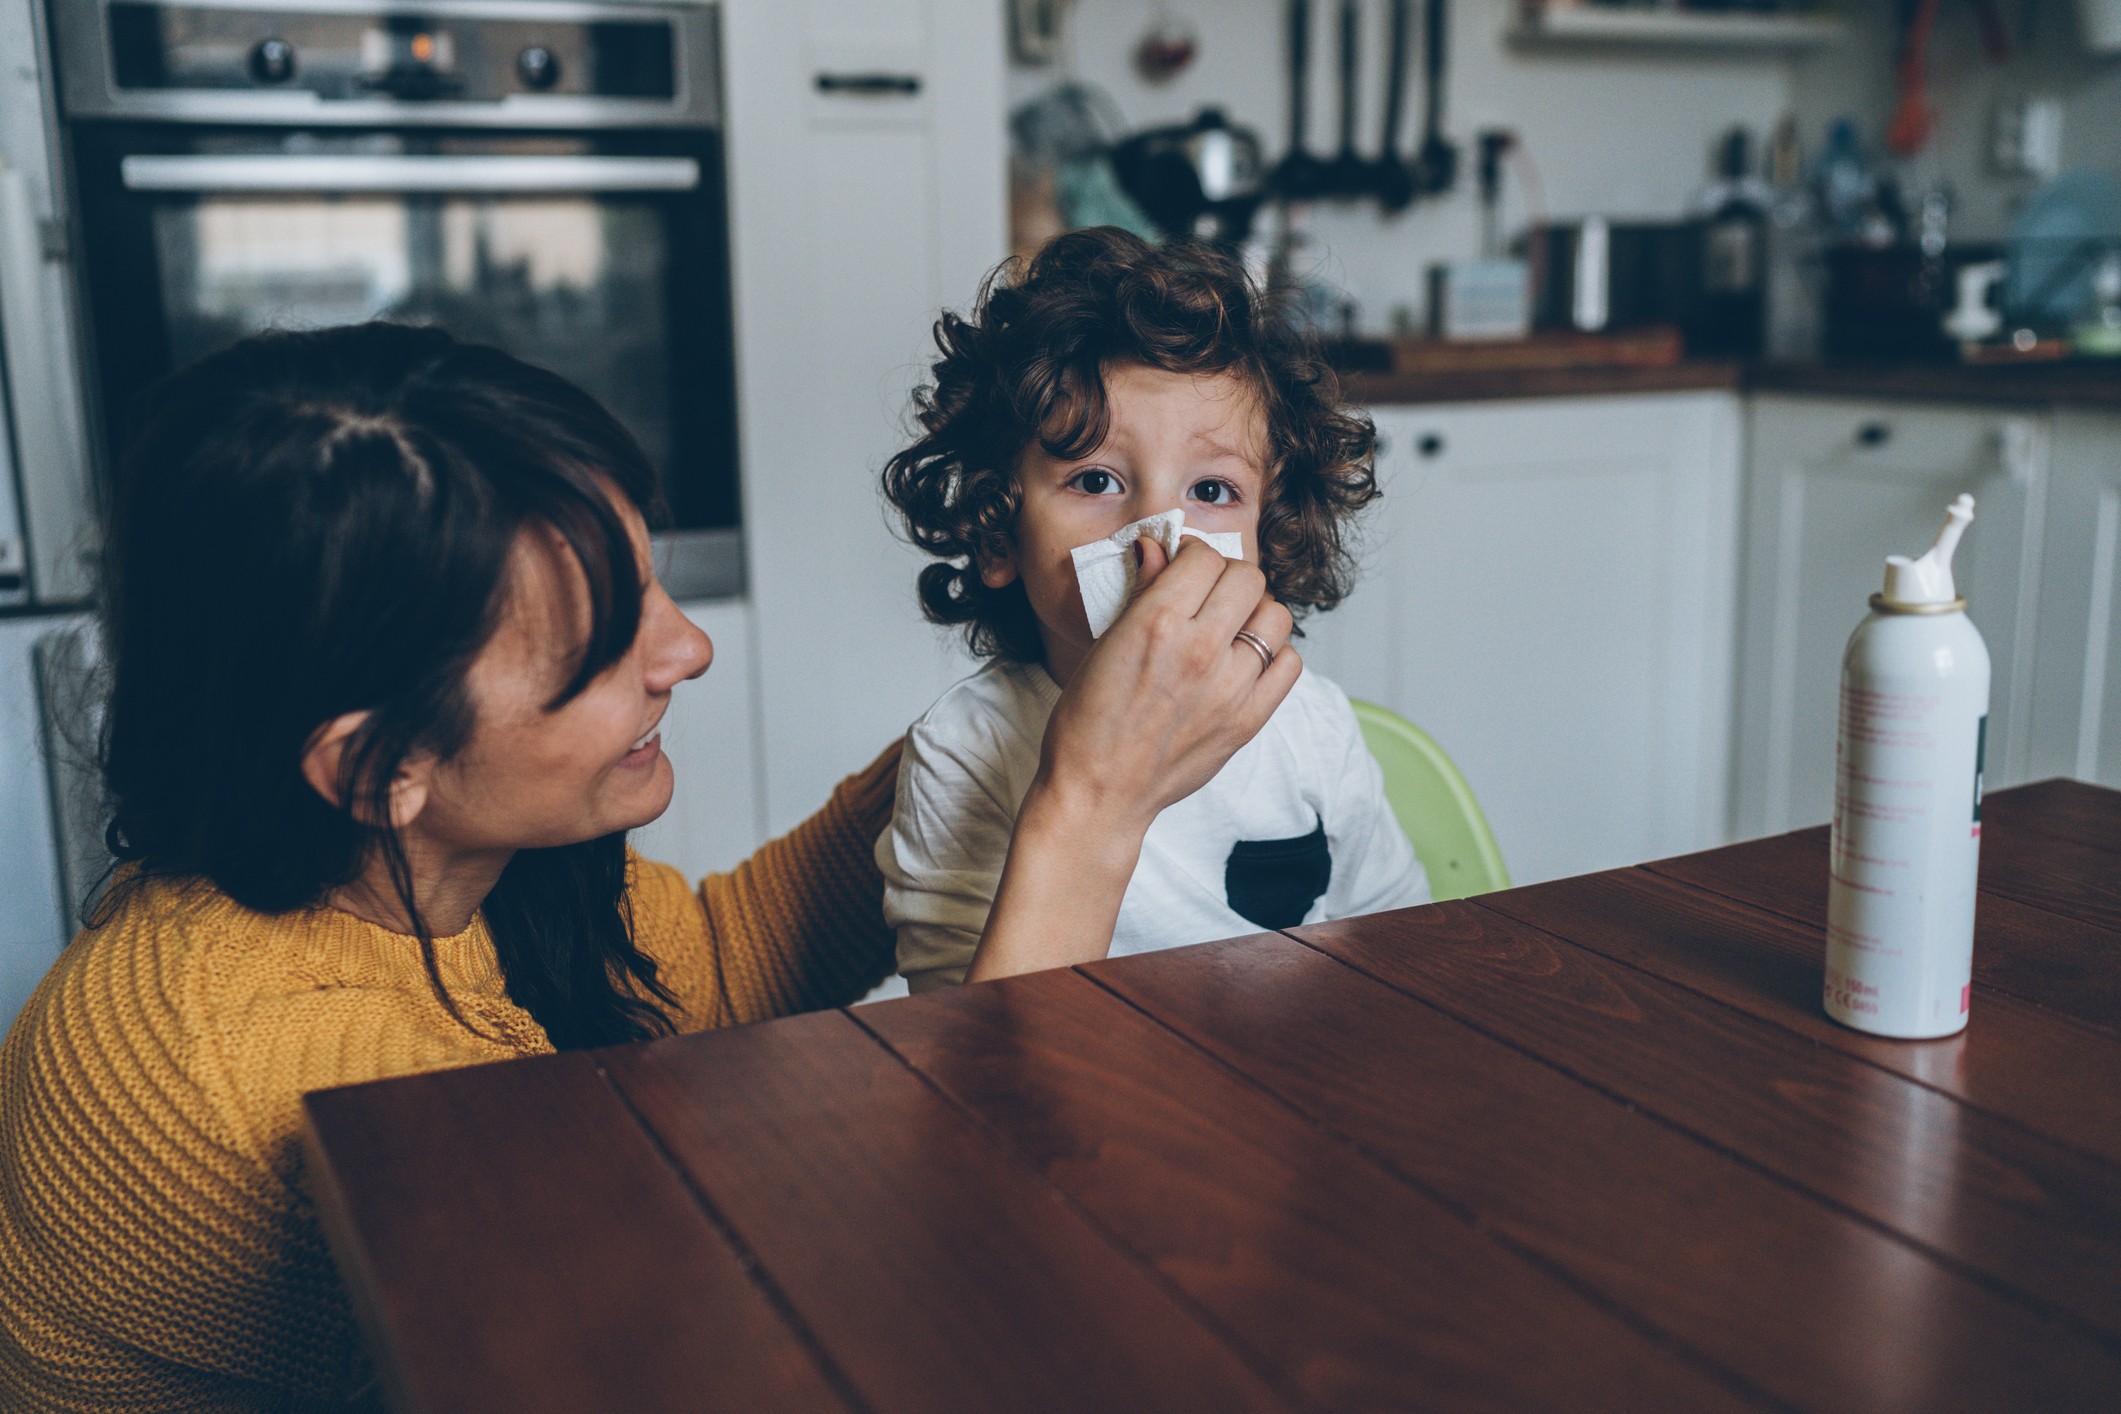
1105 568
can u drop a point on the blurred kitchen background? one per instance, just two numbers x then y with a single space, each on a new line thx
1675 319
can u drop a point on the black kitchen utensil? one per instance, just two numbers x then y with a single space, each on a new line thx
1390 178
1197 178
1436 160
1348 175
1299 176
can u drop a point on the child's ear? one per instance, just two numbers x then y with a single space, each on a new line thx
997 567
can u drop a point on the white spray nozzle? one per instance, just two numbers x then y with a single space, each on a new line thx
1928 580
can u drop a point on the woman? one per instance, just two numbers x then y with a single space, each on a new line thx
388 662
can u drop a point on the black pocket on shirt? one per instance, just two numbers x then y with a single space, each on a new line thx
1273 883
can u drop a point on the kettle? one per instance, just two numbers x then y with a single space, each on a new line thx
1203 178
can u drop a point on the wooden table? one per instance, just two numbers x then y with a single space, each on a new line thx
1590 1144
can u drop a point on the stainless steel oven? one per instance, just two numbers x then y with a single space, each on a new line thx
546 177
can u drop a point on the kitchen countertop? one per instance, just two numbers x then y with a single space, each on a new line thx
2090 385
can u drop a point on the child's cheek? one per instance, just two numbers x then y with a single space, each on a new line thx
1065 598
1049 581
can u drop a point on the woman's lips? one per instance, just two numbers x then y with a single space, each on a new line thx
645 753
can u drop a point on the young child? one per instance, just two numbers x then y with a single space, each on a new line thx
1114 381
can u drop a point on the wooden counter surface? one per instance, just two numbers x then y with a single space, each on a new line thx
2085 385
1488 384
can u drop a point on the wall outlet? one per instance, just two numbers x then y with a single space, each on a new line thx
2025 137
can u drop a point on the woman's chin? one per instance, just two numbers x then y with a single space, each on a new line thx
646 802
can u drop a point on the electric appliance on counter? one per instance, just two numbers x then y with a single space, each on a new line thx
1705 276
1595 275
546 177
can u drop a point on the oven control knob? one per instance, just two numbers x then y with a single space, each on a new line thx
273 61
538 67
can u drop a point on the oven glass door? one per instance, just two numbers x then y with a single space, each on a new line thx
607 267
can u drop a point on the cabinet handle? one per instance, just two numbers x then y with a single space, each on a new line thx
1874 434
1430 445
870 85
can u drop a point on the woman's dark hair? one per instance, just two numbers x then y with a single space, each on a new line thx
1029 366
312 524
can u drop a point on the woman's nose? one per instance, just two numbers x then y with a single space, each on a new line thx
680 649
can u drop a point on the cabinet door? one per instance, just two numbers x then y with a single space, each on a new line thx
2076 695
859 215
1549 592
1834 487
710 735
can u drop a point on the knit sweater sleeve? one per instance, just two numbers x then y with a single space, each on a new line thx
796 927
158 1246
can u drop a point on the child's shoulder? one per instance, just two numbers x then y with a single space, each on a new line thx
1317 719
1317 699
1000 689
992 717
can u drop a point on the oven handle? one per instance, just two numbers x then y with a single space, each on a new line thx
336 173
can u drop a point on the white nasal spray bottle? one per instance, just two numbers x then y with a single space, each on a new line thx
1907 803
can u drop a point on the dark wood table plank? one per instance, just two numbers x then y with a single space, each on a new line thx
2068 810
2022 1062
2078 881
513 1241
937 1271
2026 943
1350 1289
2003 1202
1801 1301
1586 1144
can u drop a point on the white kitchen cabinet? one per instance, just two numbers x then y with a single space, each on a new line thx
1833 486
858 217
2076 666
1549 592
710 734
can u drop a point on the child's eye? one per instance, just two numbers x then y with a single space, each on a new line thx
1095 482
1214 492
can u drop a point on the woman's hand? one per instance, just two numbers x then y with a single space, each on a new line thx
1169 694
1164 699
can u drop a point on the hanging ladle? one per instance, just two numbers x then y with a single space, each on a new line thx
1299 176
1390 177
1436 160
1349 173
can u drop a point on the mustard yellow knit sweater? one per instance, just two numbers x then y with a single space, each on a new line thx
158 1250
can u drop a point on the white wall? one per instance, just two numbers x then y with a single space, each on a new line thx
1613 134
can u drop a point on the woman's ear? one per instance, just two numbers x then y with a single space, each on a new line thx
324 764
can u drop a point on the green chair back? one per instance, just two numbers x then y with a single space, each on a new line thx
1435 806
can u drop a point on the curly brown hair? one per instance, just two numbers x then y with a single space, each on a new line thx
1029 364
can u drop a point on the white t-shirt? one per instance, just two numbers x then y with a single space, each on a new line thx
1293 829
